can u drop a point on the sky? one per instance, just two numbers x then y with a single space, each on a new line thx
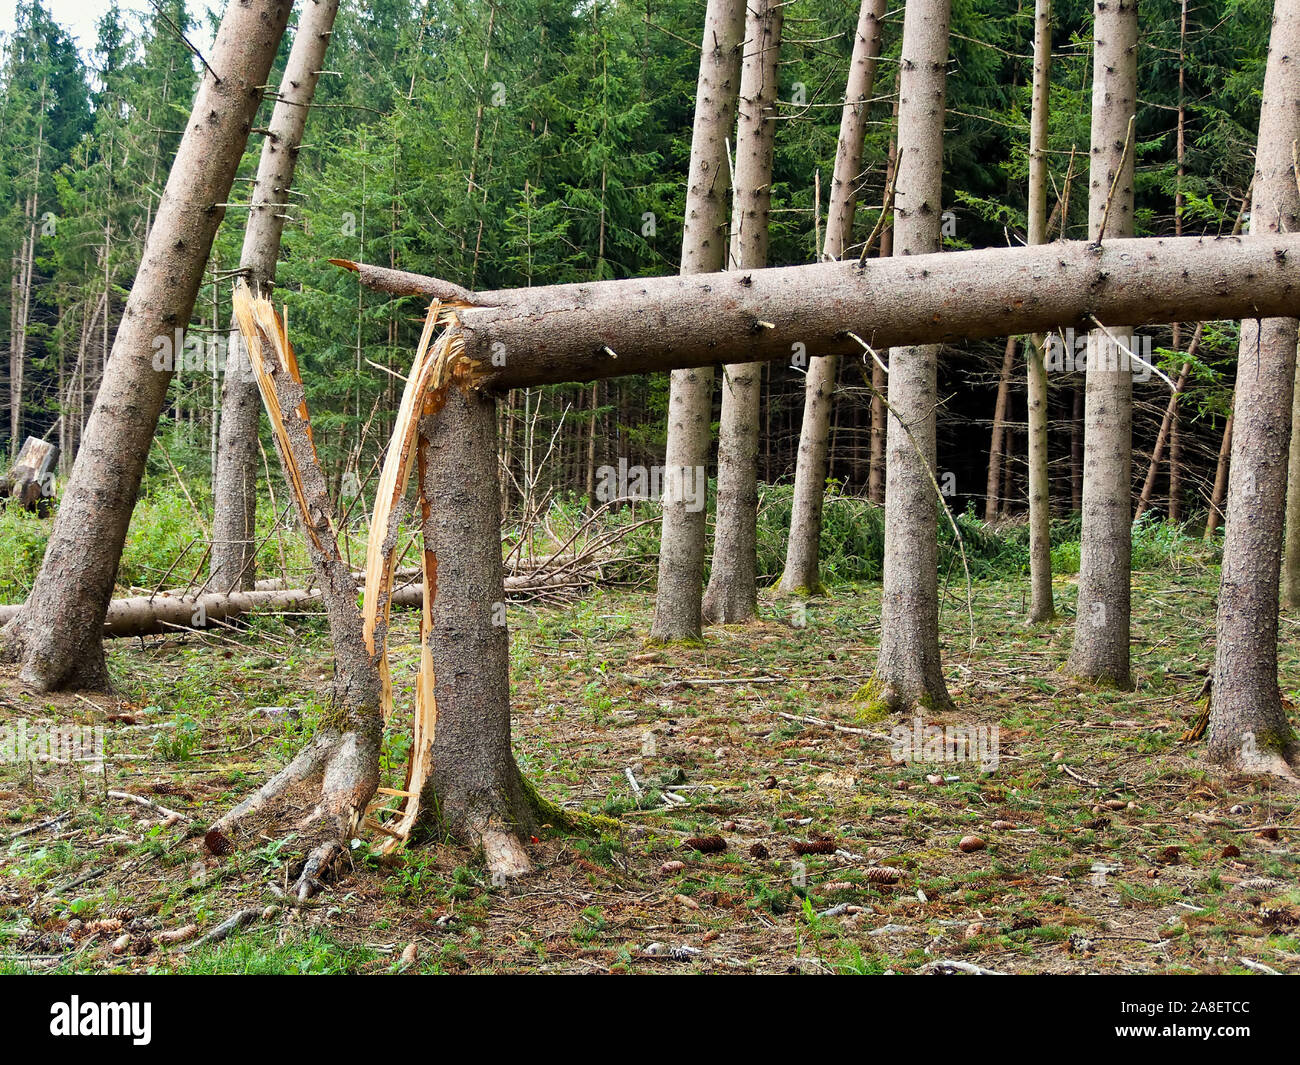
78 17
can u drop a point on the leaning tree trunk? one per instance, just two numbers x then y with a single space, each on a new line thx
58 635
234 503
1220 489
1041 607
993 483
909 672
1248 728
690 404
802 575
1101 633
732 594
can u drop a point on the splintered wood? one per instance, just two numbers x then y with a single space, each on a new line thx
439 365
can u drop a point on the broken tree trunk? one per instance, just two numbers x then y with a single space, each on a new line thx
234 490
690 401
731 597
340 767
30 481
802 574
1248 728
585 332
461 771
57 638
1100 652
474 784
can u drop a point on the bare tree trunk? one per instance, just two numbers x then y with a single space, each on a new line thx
732 594
1248 729
57 637
475 787
994 480
1041 606
690 404
1101 633
589 331
1220 490
909 671
1291 556
235 485
802 575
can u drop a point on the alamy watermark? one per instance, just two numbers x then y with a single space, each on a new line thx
671 484
951 743
1067 352
62 744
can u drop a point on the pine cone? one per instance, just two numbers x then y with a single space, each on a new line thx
884 874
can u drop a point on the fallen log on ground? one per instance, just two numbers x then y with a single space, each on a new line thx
582 332
152 615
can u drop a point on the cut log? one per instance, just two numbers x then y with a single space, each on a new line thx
583 332
151 615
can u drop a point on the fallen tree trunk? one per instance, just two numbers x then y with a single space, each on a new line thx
152 615
583 332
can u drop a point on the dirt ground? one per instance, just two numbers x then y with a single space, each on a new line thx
780 826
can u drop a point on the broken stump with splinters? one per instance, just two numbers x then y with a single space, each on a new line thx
461 766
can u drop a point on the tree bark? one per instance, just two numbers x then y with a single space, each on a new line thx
1291 556
802 575
1248 727
57 637
1101 633
234 501
908 670
475 786
1041 606
690 406
731 597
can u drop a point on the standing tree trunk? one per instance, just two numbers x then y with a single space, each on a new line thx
58 636
993 483
235 484
909 671
802 575
690 403
1101 632
475 787
1041 607
1248 728
879 379
732 595
1291 556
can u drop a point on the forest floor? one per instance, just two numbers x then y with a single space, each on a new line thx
1117 850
